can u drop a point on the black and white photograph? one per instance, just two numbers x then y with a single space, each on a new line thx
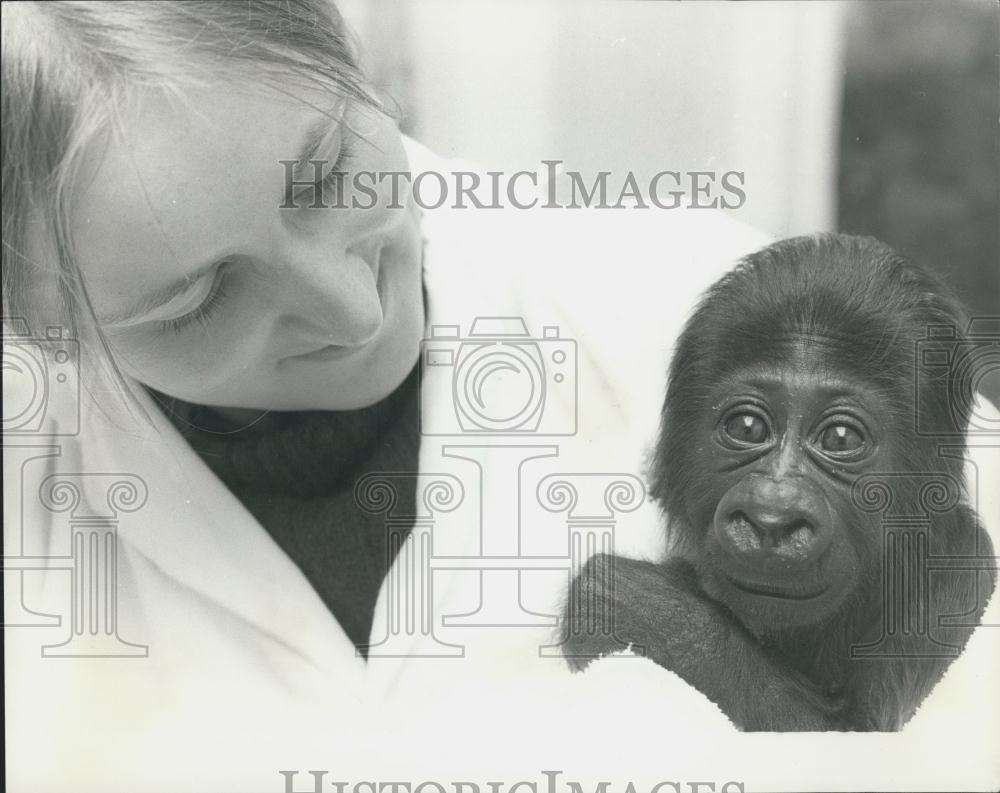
501 396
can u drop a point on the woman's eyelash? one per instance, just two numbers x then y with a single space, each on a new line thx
333 176
203 313
343 156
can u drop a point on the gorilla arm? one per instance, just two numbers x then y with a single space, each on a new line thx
659 609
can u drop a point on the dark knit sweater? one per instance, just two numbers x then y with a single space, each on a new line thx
295 472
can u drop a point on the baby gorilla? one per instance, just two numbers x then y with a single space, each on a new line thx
787 431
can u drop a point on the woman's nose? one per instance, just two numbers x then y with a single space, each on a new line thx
367 250
331 296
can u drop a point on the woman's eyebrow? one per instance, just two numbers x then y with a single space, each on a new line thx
159 297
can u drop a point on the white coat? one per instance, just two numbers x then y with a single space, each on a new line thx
231 669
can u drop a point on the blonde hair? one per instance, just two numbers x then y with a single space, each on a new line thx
67 67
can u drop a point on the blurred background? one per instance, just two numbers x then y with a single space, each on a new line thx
877 117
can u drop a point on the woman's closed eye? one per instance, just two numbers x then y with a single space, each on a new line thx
327 190
195 307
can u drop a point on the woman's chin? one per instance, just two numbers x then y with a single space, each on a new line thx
368 382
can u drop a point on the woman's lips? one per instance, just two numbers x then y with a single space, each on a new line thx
329 353
381 282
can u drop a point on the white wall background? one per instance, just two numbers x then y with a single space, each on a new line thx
616 86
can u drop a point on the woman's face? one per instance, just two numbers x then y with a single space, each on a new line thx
209 291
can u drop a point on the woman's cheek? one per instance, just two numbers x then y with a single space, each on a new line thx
189 362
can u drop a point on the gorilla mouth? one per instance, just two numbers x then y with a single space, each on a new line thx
768 590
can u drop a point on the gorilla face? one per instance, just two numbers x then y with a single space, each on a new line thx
783 544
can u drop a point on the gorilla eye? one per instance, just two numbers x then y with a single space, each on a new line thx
747 428
840 439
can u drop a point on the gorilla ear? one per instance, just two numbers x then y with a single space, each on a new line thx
675 466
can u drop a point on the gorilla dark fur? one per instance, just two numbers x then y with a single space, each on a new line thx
797 376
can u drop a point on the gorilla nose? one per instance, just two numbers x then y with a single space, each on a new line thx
784 519
777 534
